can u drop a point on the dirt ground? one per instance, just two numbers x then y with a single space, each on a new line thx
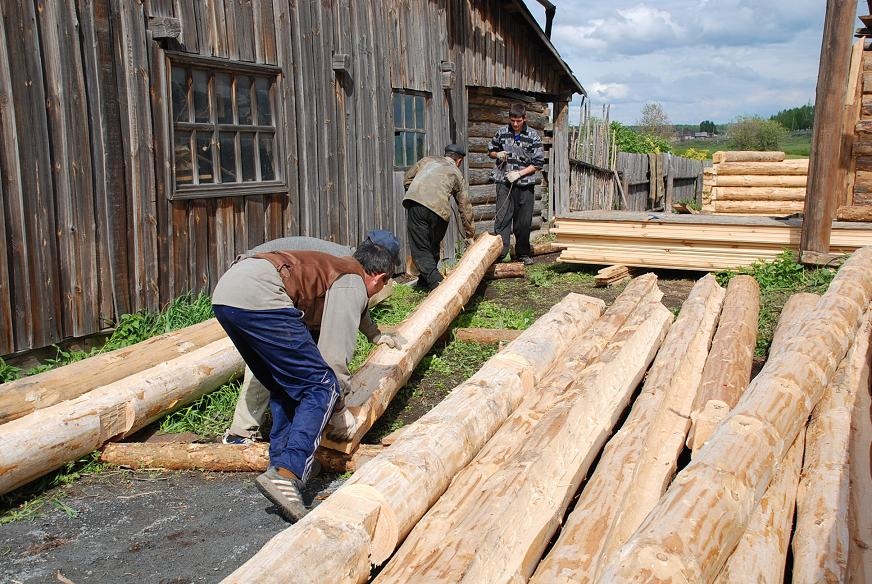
184 527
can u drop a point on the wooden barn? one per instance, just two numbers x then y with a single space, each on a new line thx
145 143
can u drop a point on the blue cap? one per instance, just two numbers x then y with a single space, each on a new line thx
387 240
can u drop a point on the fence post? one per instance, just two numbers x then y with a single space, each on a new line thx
670 183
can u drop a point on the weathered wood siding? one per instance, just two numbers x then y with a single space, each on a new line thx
89 226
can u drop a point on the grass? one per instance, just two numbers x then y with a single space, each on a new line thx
794 146
208 416
488 314
547 275
779 279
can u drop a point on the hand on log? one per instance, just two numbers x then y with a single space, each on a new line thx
341 425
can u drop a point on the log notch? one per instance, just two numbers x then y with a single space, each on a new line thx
221 457
761 554
728 367
23 396
701 517
821 540
638 462
45 439
386 370
330 545
500 512
746 156
486 336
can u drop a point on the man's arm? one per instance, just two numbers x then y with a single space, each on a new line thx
461 194
345 302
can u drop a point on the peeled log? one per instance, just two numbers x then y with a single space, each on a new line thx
500 512
760 181
746 156
728 367
45 439
639 460
758 193
217 457
859 518
486 336
821 540
417 468
501 270
854 213
688 536
797 167
761 554
758 207
386 370
23 396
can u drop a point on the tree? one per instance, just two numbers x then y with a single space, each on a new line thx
708 126
629 140
755 133
797 118
654 121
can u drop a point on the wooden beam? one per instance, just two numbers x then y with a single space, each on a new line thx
826 174
746 156
701 517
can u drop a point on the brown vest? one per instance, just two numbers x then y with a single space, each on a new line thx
307 275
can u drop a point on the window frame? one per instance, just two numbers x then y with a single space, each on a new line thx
425 130
213 66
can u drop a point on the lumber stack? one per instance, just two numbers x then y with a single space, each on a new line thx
754 183
612 275
690 242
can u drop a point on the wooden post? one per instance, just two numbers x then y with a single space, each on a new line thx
670 183
825 176
559 162
689 535
410 475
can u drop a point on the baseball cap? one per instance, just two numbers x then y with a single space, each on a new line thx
455 149
387 240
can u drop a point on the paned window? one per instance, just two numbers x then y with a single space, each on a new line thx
409 128
224 129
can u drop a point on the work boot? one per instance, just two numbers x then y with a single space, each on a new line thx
229 438
284 493
526 260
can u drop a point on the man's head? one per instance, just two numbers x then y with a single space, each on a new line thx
517 117
378 254
456 153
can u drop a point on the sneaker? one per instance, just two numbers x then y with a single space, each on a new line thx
526 260
229 438
283 493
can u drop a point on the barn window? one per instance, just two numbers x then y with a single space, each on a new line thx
409 128
224 121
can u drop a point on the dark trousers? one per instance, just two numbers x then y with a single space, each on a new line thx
514 215
425 230
281 353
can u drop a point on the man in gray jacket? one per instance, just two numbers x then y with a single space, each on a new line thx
253 401
430 184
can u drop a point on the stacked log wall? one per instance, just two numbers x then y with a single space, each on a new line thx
754 183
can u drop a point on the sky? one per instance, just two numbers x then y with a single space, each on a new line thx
700 59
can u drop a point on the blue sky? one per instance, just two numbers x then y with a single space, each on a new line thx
700 59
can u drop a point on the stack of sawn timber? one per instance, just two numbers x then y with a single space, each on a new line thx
61 415
754 183
690 242
476 489
487 113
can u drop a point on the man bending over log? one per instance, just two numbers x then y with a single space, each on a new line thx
269 304
253 401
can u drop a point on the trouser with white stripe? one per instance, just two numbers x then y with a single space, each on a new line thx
283 356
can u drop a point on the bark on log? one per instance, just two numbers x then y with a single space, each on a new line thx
797 167
746 156
700 519
852 213
719 193
761 554
728 367
500 512
45 439
417 468
501 270
23 396
486 336
638 462
760 181
821 539
221 457
386 370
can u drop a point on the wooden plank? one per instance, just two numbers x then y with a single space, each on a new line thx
7 341
264 32
288 117
163 176
133 81
824 174
322 39
199 245
110 190
243 22
254 214
187 15
37 207
180 246
346 154
308 175
215 28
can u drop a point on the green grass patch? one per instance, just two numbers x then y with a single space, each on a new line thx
208 416
488 314
547 275
398 305
778 280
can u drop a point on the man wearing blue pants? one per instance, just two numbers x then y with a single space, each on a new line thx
268 304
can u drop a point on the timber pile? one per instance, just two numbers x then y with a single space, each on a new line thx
754 183
478 498
612 275
690 242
